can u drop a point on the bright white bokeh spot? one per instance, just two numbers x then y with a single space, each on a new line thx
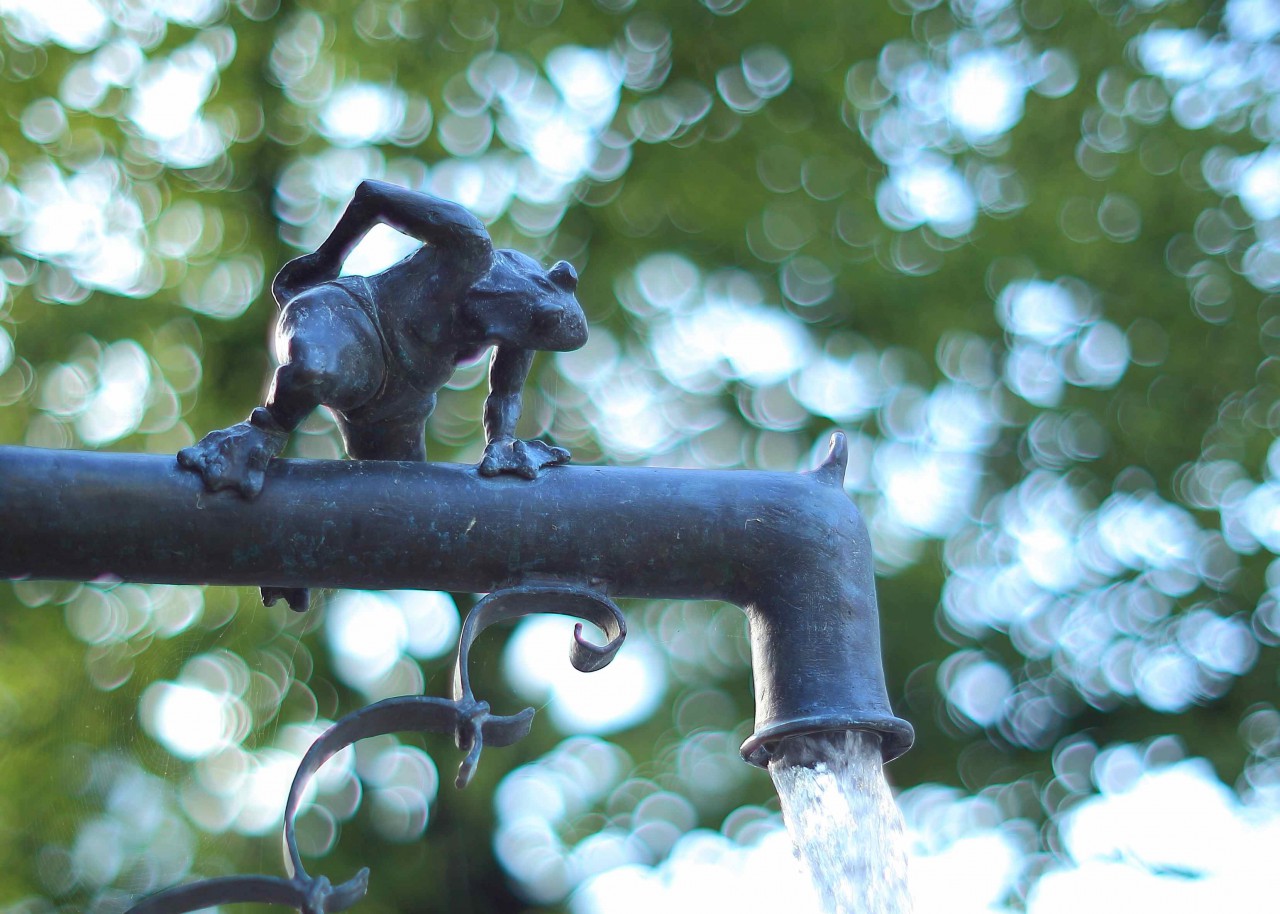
192 12
556 121
978 689
380 248
841 389
562 146
1260 513
80 25
756 344
264 790
431 621
764 346
1165 679
705 872
1043 311
961 866
1259 185
960 418
668 281
927 190
1102 355
1145 531
227 289
168 98
624 693
484 186
116 408
166 102
1177 840
371 633
360 113
189 721
627 415
1043 518
985 93
1034 372
61 215
6 350
1176 54
1045 551
1221 644
1253 20
367 634
588 80
924 489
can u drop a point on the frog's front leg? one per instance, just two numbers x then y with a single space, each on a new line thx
504 452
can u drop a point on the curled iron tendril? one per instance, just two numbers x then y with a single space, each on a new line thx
468 720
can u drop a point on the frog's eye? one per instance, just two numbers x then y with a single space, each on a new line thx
564 275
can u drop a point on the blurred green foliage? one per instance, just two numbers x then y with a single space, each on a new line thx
1042 299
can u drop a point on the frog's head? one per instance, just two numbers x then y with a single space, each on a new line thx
519 285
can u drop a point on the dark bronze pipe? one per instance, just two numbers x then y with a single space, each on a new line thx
790 549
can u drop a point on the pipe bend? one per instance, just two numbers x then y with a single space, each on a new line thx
806 529
814 622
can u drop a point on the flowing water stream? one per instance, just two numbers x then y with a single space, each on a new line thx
846 828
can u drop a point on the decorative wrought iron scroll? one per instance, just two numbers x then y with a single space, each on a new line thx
466 718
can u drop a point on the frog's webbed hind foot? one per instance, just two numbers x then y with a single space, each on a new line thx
298 598
236 457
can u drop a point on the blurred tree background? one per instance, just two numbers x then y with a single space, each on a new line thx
1025 253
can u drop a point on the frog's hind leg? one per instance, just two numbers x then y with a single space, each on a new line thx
398 436
330 354
391 425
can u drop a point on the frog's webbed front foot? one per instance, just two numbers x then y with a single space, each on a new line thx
524 458
236 457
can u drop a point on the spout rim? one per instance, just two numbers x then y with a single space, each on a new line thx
896 735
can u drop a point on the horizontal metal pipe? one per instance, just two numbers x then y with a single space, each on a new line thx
790 549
